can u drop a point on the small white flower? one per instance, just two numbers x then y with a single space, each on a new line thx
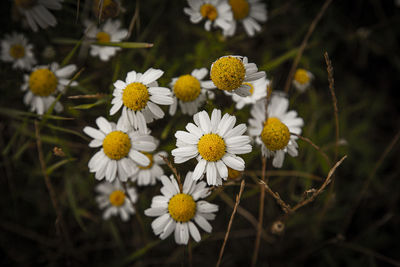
214 143
114 200
148 174
177 211
258 90
248 12
138 96
302 79
37 12
231 73
16 49
43 83
274 135
121 150
189 90
110 31
216 13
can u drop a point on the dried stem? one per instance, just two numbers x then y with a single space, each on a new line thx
97 96
304 44
285 207
314 146
133 20
260 214
53 196
175 172
230 223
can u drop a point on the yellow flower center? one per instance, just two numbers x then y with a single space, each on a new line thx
209 11
103 37
240 8
233 174
117 198
150 157
116 145
251 88
17 51
135 96
227 73
301 76
26 4
182 207
211 147
187 88
43 82
275 134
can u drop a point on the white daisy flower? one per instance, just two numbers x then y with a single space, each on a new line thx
258 90
37 12
302 79
138 96
178 211
216 13
274 134
248 12
189 90
43 83
231 73
110 31
115 200
121 150
214 143
16 49
148 174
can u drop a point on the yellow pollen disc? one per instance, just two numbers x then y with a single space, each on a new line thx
187 88
43 82
103 37
182 207
17 51
227 73
150 157
251 88
26 4
209 11
240 8
233 174
275 134
301 76
135 96
116 145
117 198
211 147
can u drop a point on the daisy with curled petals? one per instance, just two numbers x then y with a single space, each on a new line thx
231 73
258 90
37 12
302 79
274 134
148 174
178 211
16 49
248 12
138 96
216 12
115 200
214 143
121 150
189 90
43 83
110 31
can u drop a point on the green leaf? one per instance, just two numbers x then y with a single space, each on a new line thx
89 106
128 45
57 165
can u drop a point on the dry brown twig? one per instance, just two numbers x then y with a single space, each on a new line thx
314 146
238 196
304 44
175 172
133 20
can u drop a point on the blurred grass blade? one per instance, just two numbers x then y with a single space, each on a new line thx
57 165
72 203
89 106
14 113
71 53
65 130
128 45
138 253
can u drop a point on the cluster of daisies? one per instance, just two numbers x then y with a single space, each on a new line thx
128 153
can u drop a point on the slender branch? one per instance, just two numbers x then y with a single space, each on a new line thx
260 214
97 96
173 169
304 44
133 20
314 146
53 195
285 207
230 223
